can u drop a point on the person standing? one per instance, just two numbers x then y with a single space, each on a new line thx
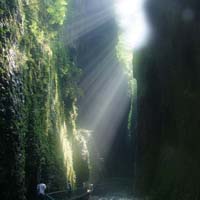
69 189
41 187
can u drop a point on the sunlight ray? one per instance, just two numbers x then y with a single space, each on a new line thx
84 24
133 23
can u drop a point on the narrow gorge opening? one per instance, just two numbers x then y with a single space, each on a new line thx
107 110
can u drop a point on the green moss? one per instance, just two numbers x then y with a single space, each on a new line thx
38 99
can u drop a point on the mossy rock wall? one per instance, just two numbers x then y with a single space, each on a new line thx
38 100
168 77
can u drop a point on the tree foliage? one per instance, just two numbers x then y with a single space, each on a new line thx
57 11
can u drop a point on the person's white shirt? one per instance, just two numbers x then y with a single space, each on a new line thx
41 188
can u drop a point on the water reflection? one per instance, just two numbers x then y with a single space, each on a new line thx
112 197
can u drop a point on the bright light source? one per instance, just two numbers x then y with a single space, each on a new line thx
132 20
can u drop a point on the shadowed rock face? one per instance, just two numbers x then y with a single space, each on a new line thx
168 75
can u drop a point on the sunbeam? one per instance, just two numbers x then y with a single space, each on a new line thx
83 24
133 23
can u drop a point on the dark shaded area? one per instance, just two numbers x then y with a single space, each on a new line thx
168 76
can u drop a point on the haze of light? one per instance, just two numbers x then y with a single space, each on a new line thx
133 22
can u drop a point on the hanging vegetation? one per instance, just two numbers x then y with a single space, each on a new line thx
38 87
